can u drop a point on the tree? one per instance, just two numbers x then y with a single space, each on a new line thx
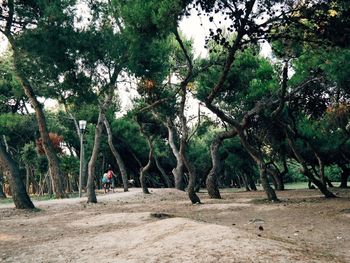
18 190
22 21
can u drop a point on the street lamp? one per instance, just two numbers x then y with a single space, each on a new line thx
82 127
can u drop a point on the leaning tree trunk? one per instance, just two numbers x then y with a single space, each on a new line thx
145 169
2 193
52 158
322 187
19 194
344 176
116 155
178 171
191 181
97 140
271 194
165 177
212 178
183 146
91 195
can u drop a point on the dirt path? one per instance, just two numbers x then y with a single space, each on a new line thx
165 227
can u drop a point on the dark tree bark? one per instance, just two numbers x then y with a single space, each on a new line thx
165 177
97 140
55 171
144 170
257 157
2 193
344 176
19 194
91 195
212 178
322 187
116 155
251 182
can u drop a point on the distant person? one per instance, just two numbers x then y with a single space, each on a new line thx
111 177
106 182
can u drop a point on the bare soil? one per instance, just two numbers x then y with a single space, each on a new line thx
165 227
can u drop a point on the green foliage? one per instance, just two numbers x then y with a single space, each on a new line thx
250 78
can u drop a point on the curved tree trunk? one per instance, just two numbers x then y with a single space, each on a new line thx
344 176
165 177
212 178
2 193
19 194
145 169
183 146
116 155
97 141
191 181
276 178
251 182
52 158
91 195
178 171
271 194
322 187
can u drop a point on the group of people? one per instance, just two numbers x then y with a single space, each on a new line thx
108 180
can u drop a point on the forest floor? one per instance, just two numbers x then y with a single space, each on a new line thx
165 227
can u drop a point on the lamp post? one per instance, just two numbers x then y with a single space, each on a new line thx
82 127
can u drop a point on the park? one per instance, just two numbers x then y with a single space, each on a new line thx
174 131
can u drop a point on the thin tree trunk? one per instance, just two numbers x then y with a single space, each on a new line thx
52 158
27 177
145 169
212 178
19 194
183 145
344 176
271 194
178 171
116 155
165 177
251 182
2 193
91 195
97 140
322 187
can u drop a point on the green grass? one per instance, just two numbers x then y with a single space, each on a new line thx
296 185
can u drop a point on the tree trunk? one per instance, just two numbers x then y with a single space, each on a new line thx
271 194
191 181
143 172
251 182
116 155
322 187
212 178
276 178
19 194
165 177
178 172
2 193
91 195
27 177
55 171
344 176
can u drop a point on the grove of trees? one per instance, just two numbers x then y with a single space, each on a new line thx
231 118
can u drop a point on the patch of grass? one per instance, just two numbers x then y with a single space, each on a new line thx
6 200
296 185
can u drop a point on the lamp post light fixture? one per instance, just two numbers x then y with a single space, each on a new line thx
82 127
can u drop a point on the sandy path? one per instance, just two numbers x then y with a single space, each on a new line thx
121 228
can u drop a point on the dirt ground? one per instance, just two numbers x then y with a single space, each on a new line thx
165 227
